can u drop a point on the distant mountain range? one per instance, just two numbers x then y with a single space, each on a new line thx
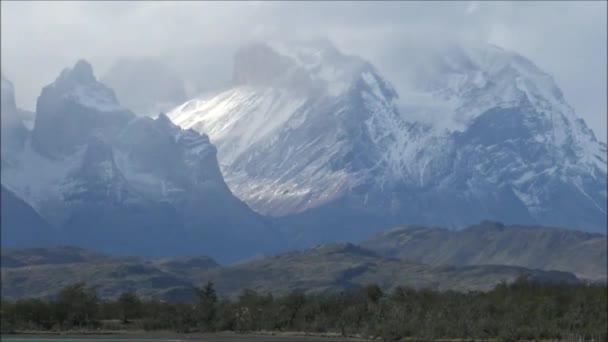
492 243
317 147
43 272
105 179
323 141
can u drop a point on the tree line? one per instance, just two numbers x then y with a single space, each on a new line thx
520 310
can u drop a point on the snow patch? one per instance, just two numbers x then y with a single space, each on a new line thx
239 118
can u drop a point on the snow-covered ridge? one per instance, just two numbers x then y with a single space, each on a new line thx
103 176
474 119
309 68
73 108
460 83
273 108
264 116
100 151
79 84
112 168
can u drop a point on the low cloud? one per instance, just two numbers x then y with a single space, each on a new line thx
566 39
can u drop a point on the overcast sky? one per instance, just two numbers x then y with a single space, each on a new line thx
39 39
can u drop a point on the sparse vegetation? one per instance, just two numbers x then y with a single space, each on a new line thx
326 268
521 310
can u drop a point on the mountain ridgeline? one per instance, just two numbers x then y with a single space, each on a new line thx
492 243
322 141
106 179
329 268
308 146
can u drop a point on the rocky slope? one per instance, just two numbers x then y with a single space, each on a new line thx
21 226
338 267
42 272
111 181
325 268
324 142
490 243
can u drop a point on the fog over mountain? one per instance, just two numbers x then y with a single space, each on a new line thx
248 141
158 88
101 177
198 39
324 141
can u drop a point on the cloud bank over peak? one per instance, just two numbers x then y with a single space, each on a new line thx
198 39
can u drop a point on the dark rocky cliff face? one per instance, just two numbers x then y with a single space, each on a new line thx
354 156
73 108
119 183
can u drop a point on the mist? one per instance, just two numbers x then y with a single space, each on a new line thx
198 39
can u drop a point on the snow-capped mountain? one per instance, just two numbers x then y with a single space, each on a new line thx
293 132
111 181
509 139
72 109
322 140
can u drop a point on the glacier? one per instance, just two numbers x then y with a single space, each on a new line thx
325 144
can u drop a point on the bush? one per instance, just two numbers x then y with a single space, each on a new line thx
521 310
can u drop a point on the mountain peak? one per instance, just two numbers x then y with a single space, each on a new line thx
347 145
314 67
258 64
80 73
83 67
79 85
346 248
464 81
73 108
310 53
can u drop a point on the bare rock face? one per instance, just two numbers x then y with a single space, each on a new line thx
73 108
492 243
105 178
481 133
330 268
